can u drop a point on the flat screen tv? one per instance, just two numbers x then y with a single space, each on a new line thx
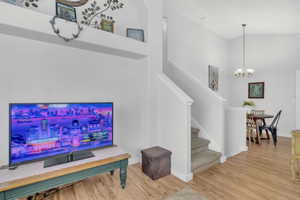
39 131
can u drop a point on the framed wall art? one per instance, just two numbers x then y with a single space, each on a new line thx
256 90
213 78
66 12
137 34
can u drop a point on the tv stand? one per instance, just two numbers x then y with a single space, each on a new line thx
61 159
31 178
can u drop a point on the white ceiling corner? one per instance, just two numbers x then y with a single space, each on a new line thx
224 17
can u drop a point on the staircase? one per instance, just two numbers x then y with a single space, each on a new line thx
202 157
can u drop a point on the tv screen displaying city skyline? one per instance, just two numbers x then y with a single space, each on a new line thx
38 131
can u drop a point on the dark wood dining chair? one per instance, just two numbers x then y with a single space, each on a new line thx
272 127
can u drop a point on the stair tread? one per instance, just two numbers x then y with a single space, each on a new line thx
194 136
204 158
199 142
200 149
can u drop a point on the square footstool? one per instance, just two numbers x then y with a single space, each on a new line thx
156 162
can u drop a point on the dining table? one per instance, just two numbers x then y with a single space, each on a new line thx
261 117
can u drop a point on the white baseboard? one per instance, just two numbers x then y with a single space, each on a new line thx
223 159
245 148
184 177
134 160
242 149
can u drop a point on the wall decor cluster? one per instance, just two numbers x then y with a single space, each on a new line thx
213 78
93 15
256 90
99 14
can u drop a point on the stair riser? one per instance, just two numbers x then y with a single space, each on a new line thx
195 130
194 135
202 168
199 145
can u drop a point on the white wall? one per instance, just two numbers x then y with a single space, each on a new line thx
192 47
275 59
235 139
33 71
155 62
175 126
298 99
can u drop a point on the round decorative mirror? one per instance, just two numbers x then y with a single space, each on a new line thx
74 3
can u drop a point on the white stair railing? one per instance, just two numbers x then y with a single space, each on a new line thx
208 109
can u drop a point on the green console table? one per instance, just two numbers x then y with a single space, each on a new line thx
32 178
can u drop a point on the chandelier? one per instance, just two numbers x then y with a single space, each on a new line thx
244 71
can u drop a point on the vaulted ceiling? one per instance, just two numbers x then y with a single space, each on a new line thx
225 17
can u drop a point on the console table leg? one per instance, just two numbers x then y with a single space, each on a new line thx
2 196
112 172
123 172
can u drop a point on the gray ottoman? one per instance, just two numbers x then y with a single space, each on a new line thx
156 162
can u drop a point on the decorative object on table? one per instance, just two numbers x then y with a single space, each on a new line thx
249 104
272 127
244 71
91 13
186 194
73 3
156 162
295 154
137 34
31 3
256 90
213 78
66 12
107 25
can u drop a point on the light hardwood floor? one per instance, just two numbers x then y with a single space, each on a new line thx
260 174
